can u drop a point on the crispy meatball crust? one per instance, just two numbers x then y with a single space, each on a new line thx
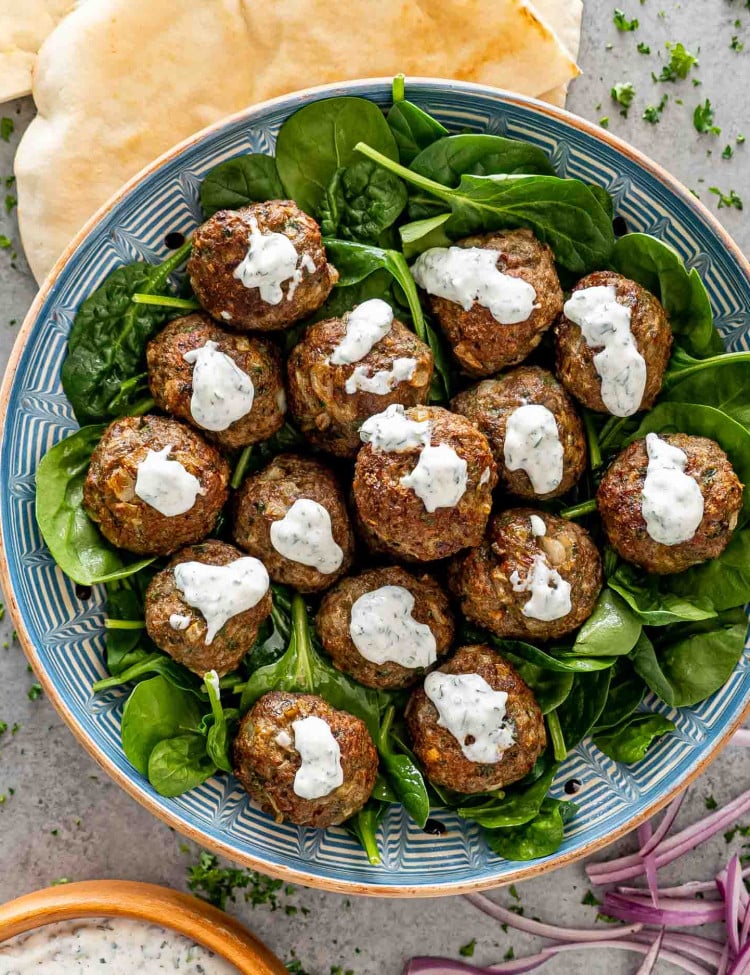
170 377
395 517
480 343
431 607
440 754
619 502
480 579
267 768
109 489
651 331
219 247
188 646
266 497
329 416
490 404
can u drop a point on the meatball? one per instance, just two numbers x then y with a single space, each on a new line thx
423 482
443 756
534 432
181 630
534 577
329 400
620 501
292 516
184 478
651 334
481 343
247 276
398 652
208 391
267 763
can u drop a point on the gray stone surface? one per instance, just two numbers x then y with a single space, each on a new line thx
67 819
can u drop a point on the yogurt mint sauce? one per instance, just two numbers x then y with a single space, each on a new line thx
270 262
222 392
473 712
165 485
384 630
672 501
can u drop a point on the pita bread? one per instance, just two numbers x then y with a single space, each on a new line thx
120 81
24 24
564 17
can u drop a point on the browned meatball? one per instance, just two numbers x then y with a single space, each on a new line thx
336 626
316 535
217 261
170 378
440 753
124 518
393 512
620 499
650 329
481 344
324 409
266 761
493 581
180 629
491 404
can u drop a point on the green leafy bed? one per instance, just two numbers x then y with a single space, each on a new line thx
385 188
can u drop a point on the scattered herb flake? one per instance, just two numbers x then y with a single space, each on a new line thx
623 94
703 119
217 884
5 244
60 881
727 200
590 899
728 152
736 44
711 803
740 140
10 202
604 121
35 692
513 891
3 727
7 125
622 23
467 950
679 64
510 954
652 113
643 48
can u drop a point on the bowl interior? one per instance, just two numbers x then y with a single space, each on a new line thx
63 634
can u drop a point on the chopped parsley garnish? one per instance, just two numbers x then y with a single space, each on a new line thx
711 803
509 954
60 881
35 692
513 891
5 244
703 119
467 950
10 203
728 152
7 125
294 965
652 113
217 885
737 44
623 94
680 62
643 48
590 899
622 23
3 727
727 200
740 140
604 121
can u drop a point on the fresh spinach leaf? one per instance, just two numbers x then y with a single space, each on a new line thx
125 602
563 213
103 372
361 201
661 270
412 128
550 687
237 182
612 629
628 742
179 764
722 381
564 663
540 837
515 808
420 235
342 299
626 692
156 710
152 663
320 138
364 826
274 632
74 541
402 773
218 738
584 705
650 599
724 582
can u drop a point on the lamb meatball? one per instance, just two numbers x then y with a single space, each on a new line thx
519 738
154 485
482 343
534 577
625 502
534 432
181 629
423 482
292 516
230 387
270 767
651 335
385 627
337 378
260 268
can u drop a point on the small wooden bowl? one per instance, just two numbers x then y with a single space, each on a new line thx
171 909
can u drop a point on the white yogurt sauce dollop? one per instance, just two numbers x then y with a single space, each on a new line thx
222 392
117 946
550 593
366 325
468 274
165 485
672 501
320 772
605 325
538 528
220 592
178 621
271 261
384 630
532 444
305 535
393 431
384 380
439 479
473 713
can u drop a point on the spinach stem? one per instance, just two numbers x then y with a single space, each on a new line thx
112 624
675 377
177 258
301 635
595 454
165 301
399 88
559 748
437 189
239 471
579 510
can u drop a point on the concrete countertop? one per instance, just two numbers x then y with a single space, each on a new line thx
65 817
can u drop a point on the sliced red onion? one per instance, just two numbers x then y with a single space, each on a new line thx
676 913
686 964
649 959
692 945
683 890
645 836
724 961
745 932
741 738
741 964
732 902
543 930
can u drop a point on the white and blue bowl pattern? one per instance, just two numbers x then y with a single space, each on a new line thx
64 637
